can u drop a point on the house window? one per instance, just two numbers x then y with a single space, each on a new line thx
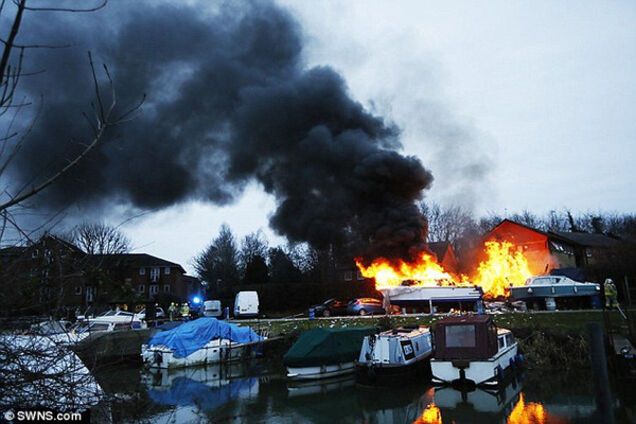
359 276
154 274
141 288
154 289
166 270
90 294
78 290
348 275
142 271
166 288
588 252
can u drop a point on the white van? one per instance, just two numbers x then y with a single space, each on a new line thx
246 304
212 308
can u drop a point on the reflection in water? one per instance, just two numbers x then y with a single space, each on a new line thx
238 393
532 413
431 415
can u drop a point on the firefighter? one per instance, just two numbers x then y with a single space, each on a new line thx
185 311
172 310
611 294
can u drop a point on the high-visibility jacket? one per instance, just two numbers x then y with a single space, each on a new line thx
610 290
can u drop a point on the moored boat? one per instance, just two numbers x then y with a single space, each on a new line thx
395 354
550 290
199 342
471 349
324 353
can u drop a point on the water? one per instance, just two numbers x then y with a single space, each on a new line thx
258 392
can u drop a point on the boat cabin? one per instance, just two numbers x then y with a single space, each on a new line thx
471 337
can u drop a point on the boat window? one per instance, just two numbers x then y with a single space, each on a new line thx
500 340
99 327
122 326
460 336
509 339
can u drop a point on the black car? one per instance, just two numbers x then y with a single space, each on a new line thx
330 308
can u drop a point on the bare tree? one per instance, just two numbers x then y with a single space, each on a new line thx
449 224
104 115
100 239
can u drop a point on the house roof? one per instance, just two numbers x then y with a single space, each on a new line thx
439 248
135 260
587 239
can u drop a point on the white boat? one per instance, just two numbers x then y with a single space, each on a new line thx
424 298
38 373
471 349
203 341
398 353
325 353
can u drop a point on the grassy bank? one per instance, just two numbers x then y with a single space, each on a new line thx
549 340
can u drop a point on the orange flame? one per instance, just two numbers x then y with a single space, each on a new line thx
531 413
503 267
424 271
430 415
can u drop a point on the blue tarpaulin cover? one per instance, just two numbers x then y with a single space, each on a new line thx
193 335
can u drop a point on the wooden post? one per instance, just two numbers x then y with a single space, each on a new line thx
600 377
628 295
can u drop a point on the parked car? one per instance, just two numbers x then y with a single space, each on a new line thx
330 308
365 306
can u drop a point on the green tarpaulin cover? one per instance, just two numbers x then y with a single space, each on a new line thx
326 346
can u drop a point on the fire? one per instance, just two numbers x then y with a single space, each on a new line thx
430 415
503 267
531 413
424 271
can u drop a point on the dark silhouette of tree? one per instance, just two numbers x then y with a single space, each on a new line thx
282 269
217 264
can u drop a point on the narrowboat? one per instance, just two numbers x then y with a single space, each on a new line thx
325 353
471 349
202 341
394 355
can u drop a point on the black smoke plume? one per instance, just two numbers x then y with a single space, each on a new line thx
229 101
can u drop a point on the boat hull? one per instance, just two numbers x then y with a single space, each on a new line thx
160 357
373 375
491 372
320 372
555 290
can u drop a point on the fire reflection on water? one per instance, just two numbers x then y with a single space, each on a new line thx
522 413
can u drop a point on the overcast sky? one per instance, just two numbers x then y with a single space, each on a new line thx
512 105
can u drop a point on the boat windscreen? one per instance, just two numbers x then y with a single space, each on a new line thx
460 336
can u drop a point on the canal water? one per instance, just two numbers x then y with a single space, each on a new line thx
258 392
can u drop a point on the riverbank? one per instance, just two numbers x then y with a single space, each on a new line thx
549 340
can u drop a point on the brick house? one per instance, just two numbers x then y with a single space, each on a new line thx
53 274
546 250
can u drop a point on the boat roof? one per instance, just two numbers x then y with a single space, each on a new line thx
502 331
466 319
405 331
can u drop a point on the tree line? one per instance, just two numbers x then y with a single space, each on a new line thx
251 260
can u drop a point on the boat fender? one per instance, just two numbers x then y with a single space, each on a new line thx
158 358
371 373
499 373
513 362
520 358
576 289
